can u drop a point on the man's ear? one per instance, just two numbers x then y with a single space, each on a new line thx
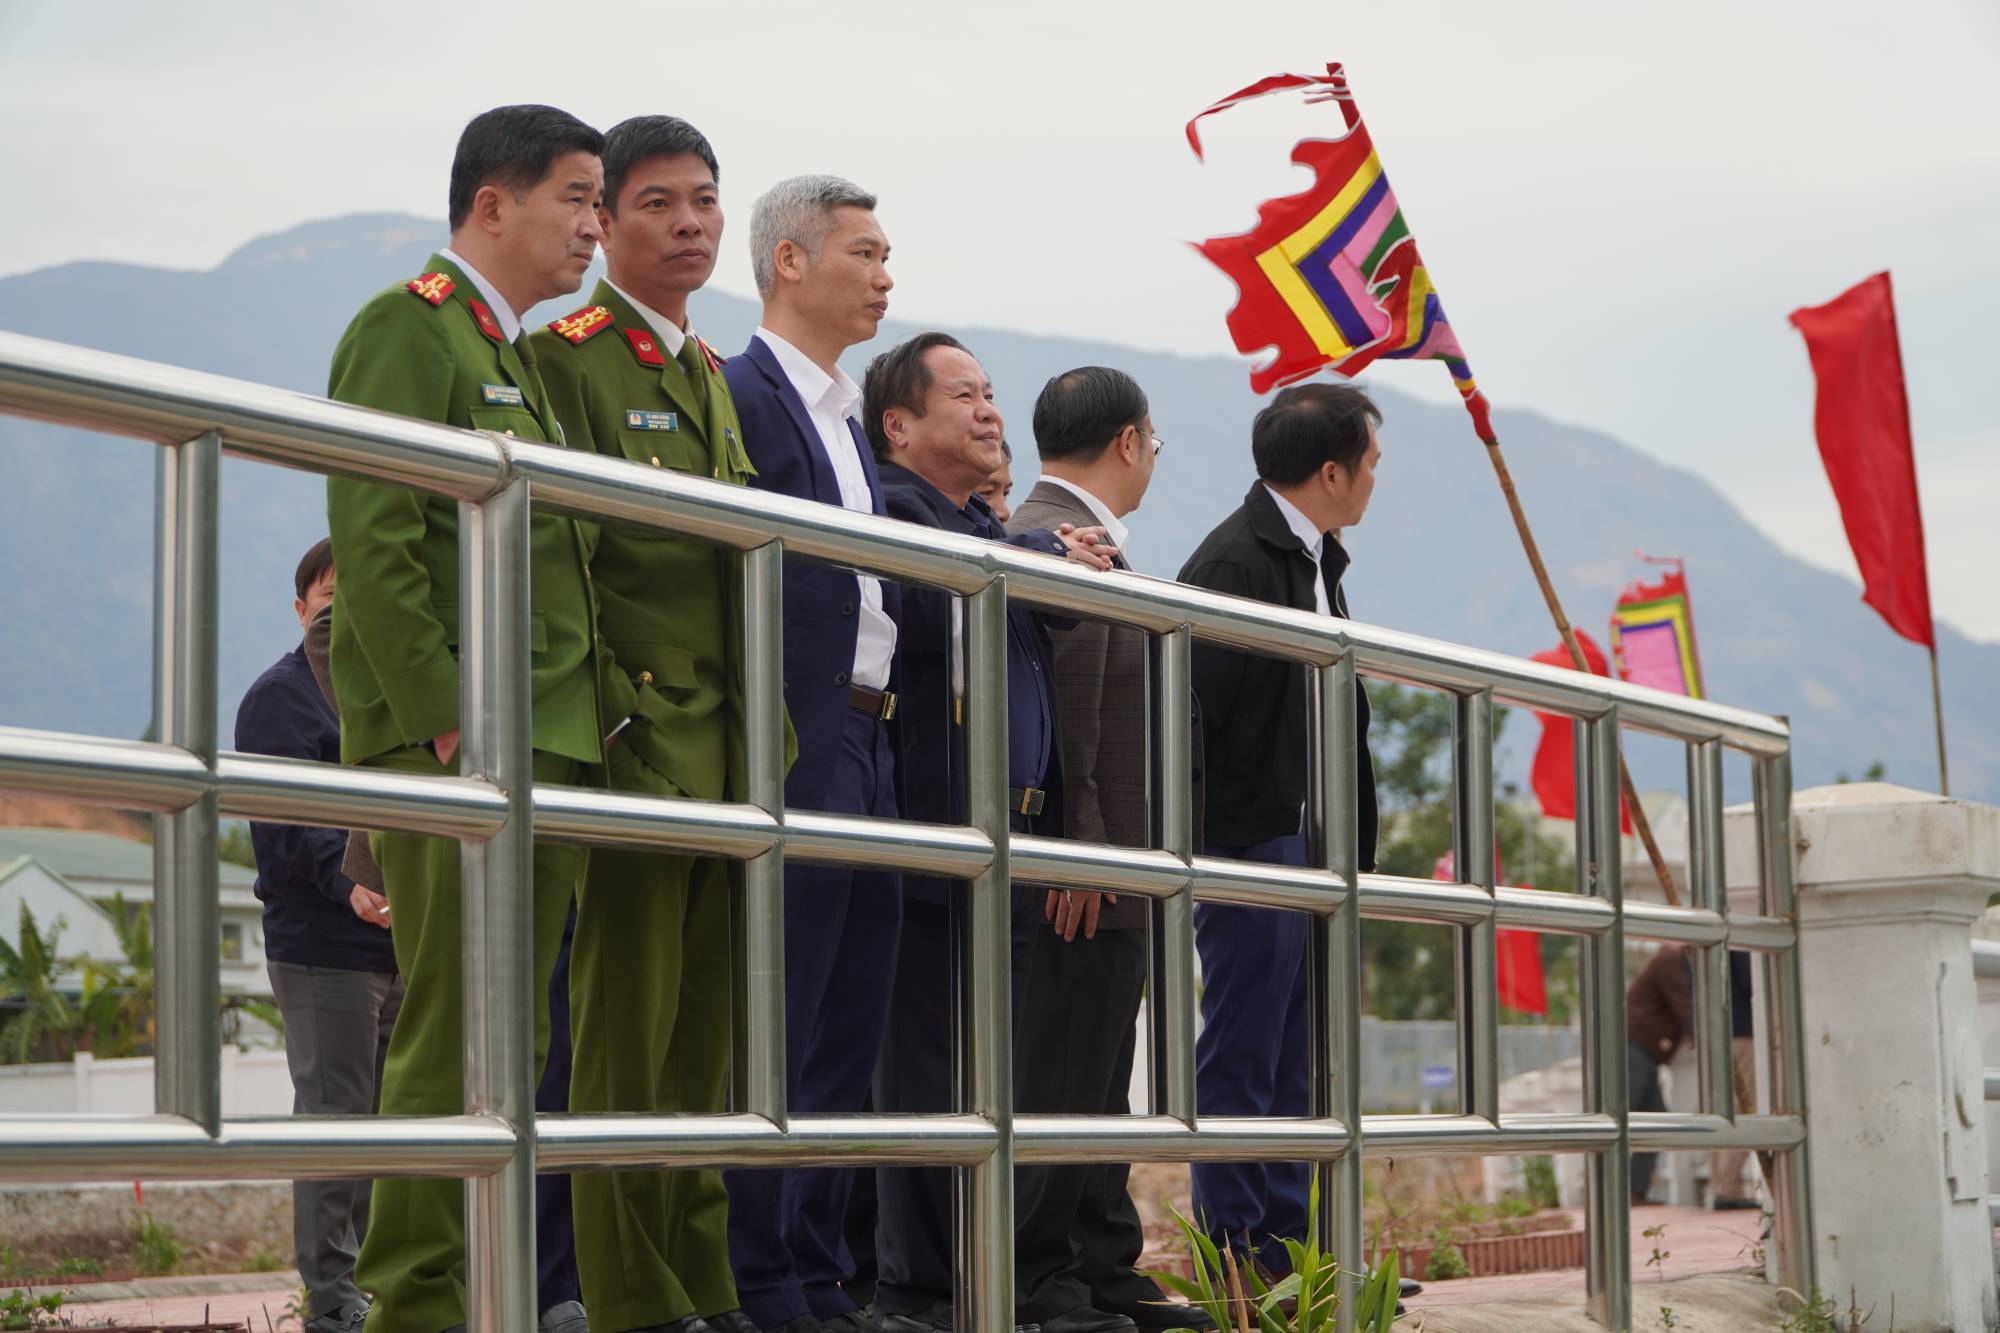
895 428
487 207
788 260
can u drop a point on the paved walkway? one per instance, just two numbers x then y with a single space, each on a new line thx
1695 1242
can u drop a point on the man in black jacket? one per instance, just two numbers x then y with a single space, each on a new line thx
928 409
1315 451
332 968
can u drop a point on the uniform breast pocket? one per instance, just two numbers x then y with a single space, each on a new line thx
665 449
516 421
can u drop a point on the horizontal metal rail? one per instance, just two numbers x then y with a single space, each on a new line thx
189 782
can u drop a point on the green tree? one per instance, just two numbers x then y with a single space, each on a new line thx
1410 969
233 844
44 1028
117 1000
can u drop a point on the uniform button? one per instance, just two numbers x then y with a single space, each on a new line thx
656 460
645 678
840 677
847 608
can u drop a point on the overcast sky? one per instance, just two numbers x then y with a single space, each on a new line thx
1620 204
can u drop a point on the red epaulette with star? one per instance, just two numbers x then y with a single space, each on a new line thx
489 324
433 287
582 324
644 347
709 354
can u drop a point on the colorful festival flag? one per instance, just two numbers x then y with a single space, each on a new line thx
1331 276
1554 774
1652 634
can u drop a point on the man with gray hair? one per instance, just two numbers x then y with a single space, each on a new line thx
819 258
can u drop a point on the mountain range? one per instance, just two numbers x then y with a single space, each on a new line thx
1436 554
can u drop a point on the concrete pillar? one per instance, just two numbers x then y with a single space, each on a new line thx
1890 882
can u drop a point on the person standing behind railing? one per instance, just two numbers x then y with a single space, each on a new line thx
631 380
929 412
1078 1238
1315 450
333 969
447 346
819 255
1659 1017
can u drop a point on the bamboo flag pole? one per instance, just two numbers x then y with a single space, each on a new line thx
1937 707
1640 823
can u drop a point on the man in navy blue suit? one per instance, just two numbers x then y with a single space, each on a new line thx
819 258
937 435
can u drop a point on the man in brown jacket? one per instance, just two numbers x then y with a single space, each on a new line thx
1079 1236
1659 1016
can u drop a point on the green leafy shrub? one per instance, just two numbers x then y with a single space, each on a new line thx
1447 1261
21 1308
1307 1300
158 1250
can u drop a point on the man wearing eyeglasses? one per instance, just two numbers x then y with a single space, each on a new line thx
1078 1238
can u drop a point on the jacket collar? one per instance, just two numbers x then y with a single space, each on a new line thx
975 519
826 486
673 375
465 291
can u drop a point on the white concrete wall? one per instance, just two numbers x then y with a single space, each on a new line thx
253 1083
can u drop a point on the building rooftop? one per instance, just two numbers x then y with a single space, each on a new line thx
80 854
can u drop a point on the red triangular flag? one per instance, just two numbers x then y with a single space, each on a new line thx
1554 775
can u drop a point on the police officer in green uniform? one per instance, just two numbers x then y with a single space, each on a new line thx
652 946
447 347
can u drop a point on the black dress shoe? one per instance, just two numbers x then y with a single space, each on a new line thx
862 1320
1086 1319
731 1321
937 1319
687 1323
1409 1287
1162 1315
805 1323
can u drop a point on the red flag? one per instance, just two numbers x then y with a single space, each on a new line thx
1554 774
1518 953
1862 418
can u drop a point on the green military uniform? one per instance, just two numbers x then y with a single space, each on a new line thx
652 947
432 349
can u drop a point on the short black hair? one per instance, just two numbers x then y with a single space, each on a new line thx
1308 426
641 138
513 147
1081 411
899 378
312 565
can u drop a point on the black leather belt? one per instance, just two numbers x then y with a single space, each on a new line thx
878 704
1026 800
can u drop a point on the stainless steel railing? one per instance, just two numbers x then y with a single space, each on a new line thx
498 1143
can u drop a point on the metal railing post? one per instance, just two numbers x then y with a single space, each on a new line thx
1473 857
187 914
1713 1030
1334 949
1608 1188
986 1193
1171 1000
1792 1235
498 905
760 992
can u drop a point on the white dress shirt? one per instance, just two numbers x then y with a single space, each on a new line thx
510 323
1113 527
830 400
671 337
1315 542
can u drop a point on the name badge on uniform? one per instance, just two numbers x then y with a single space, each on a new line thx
501 395
638 419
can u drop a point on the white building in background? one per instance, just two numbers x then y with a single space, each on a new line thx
73 876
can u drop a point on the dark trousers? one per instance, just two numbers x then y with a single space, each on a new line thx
1078 1236
337 1025
555 1233
918 1072
1642 1073
841 927
1250 1058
